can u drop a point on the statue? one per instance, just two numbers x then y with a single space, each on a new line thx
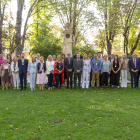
68 38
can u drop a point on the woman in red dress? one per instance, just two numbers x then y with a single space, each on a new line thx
59 72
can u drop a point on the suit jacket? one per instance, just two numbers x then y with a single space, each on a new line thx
44 67
67 65
23 68
78 65
32 68
131 64
75 57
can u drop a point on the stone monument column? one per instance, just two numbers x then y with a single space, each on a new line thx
68 38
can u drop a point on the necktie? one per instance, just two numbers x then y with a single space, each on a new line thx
69 60
134 64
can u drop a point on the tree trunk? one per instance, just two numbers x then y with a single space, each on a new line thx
2 11
20 4
25 26
136 44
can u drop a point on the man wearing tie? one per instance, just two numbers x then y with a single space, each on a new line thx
68 64
78 68
23 66
134 66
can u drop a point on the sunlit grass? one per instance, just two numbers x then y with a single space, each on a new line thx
94 114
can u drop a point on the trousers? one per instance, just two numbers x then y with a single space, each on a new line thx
93 79
32 79
16 79
85 77
123 78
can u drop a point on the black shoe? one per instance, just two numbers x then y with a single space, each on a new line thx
56 88
71 87
21 89
25 89
60 87
75 88
66 87
131 87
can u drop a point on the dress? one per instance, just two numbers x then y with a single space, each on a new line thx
5 77
10 77
41 77
115 77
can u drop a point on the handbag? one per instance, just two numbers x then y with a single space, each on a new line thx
40 71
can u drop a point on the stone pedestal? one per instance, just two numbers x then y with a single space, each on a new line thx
68 38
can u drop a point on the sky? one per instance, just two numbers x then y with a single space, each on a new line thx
89 34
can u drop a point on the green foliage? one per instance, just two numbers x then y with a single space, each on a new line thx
42 39
84 49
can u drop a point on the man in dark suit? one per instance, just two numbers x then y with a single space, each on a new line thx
77 52
134 66
23 66
78 68
68 64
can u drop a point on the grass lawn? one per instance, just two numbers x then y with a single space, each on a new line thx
93 114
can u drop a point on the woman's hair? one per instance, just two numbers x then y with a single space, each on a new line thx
84 56
50 56
33 57
59 56
14 57
117 58
62 55
42 57
9 55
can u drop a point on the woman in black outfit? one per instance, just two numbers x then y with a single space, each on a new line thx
58 70
116 66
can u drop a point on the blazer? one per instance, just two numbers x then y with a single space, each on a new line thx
75 57
56 70
131 64
78 65
67 65
2 71
88 65
16 68
44 67
32 68
49 66
23 68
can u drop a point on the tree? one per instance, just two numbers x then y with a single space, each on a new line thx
42 37
109 11
3 4
75 12
18 44
129 16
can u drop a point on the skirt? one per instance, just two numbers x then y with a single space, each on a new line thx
41 78
5 77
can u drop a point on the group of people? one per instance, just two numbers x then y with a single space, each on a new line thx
59 70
